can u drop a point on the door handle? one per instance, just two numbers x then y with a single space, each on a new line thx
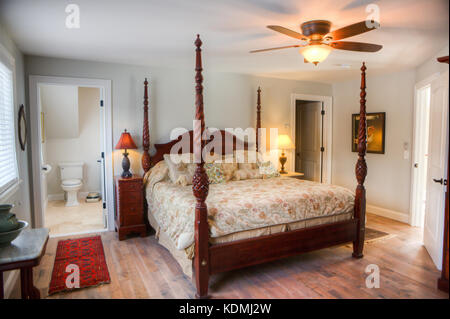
44 168
440 181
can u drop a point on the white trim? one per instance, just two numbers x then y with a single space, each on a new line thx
327 131
60 196
388 213
10 62
105 88
413 218
11 191
4 54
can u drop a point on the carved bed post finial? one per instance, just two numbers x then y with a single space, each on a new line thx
200 184
258 117
361 171
146 133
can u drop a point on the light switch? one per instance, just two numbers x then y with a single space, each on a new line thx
406 154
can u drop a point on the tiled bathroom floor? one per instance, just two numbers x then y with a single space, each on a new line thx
67 220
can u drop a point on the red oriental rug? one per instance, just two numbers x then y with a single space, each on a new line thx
79 263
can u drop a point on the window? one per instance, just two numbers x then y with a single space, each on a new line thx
8 162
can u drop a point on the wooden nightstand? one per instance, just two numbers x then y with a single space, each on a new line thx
293 175
129 214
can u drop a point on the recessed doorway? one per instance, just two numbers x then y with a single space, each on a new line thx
71 140
311 128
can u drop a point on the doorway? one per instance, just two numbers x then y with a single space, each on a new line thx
71 137
420 157
308 140
430 159
311 127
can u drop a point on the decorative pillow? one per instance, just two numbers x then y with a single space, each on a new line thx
157 173
215 173
268 170
211 158
242 174
179 173
228 166
247 159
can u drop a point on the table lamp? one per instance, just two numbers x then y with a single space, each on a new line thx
125 143
284 143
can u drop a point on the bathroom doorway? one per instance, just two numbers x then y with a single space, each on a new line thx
70 173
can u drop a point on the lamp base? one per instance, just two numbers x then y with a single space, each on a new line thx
283 160
126 166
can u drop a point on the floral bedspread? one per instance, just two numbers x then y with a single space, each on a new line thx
242 205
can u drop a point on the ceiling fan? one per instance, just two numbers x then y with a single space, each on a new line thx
320 41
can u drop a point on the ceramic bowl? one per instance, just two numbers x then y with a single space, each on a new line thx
7 237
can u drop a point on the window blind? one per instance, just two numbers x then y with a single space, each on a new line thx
8 162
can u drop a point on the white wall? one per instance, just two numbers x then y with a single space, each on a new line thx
430 66
230 99
85 146
388 178
388 181
21 199
60 106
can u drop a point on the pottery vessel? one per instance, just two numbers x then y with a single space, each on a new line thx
8 220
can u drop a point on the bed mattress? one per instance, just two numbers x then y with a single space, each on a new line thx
247 208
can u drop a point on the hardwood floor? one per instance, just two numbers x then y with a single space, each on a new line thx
140 268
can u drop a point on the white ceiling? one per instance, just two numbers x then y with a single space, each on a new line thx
161 33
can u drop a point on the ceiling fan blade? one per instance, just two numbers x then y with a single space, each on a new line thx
354 29
277 48
356 46
288 32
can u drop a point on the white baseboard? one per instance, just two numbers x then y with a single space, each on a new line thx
56 196
81 195
392 214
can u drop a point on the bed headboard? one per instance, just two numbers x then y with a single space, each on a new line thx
161 149
165 148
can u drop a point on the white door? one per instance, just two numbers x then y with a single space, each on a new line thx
437 159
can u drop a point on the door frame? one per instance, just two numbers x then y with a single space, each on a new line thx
327 131
414 219
105 95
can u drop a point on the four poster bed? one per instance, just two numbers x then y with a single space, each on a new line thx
309 215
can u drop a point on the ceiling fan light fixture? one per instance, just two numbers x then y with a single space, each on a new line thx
315 53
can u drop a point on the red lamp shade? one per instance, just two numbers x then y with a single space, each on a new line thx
125 142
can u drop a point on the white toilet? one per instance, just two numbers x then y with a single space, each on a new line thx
71 181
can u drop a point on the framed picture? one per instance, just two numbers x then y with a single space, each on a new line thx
376 132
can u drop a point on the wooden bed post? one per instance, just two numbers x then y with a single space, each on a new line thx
200 185
361 172
258 118
145 132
